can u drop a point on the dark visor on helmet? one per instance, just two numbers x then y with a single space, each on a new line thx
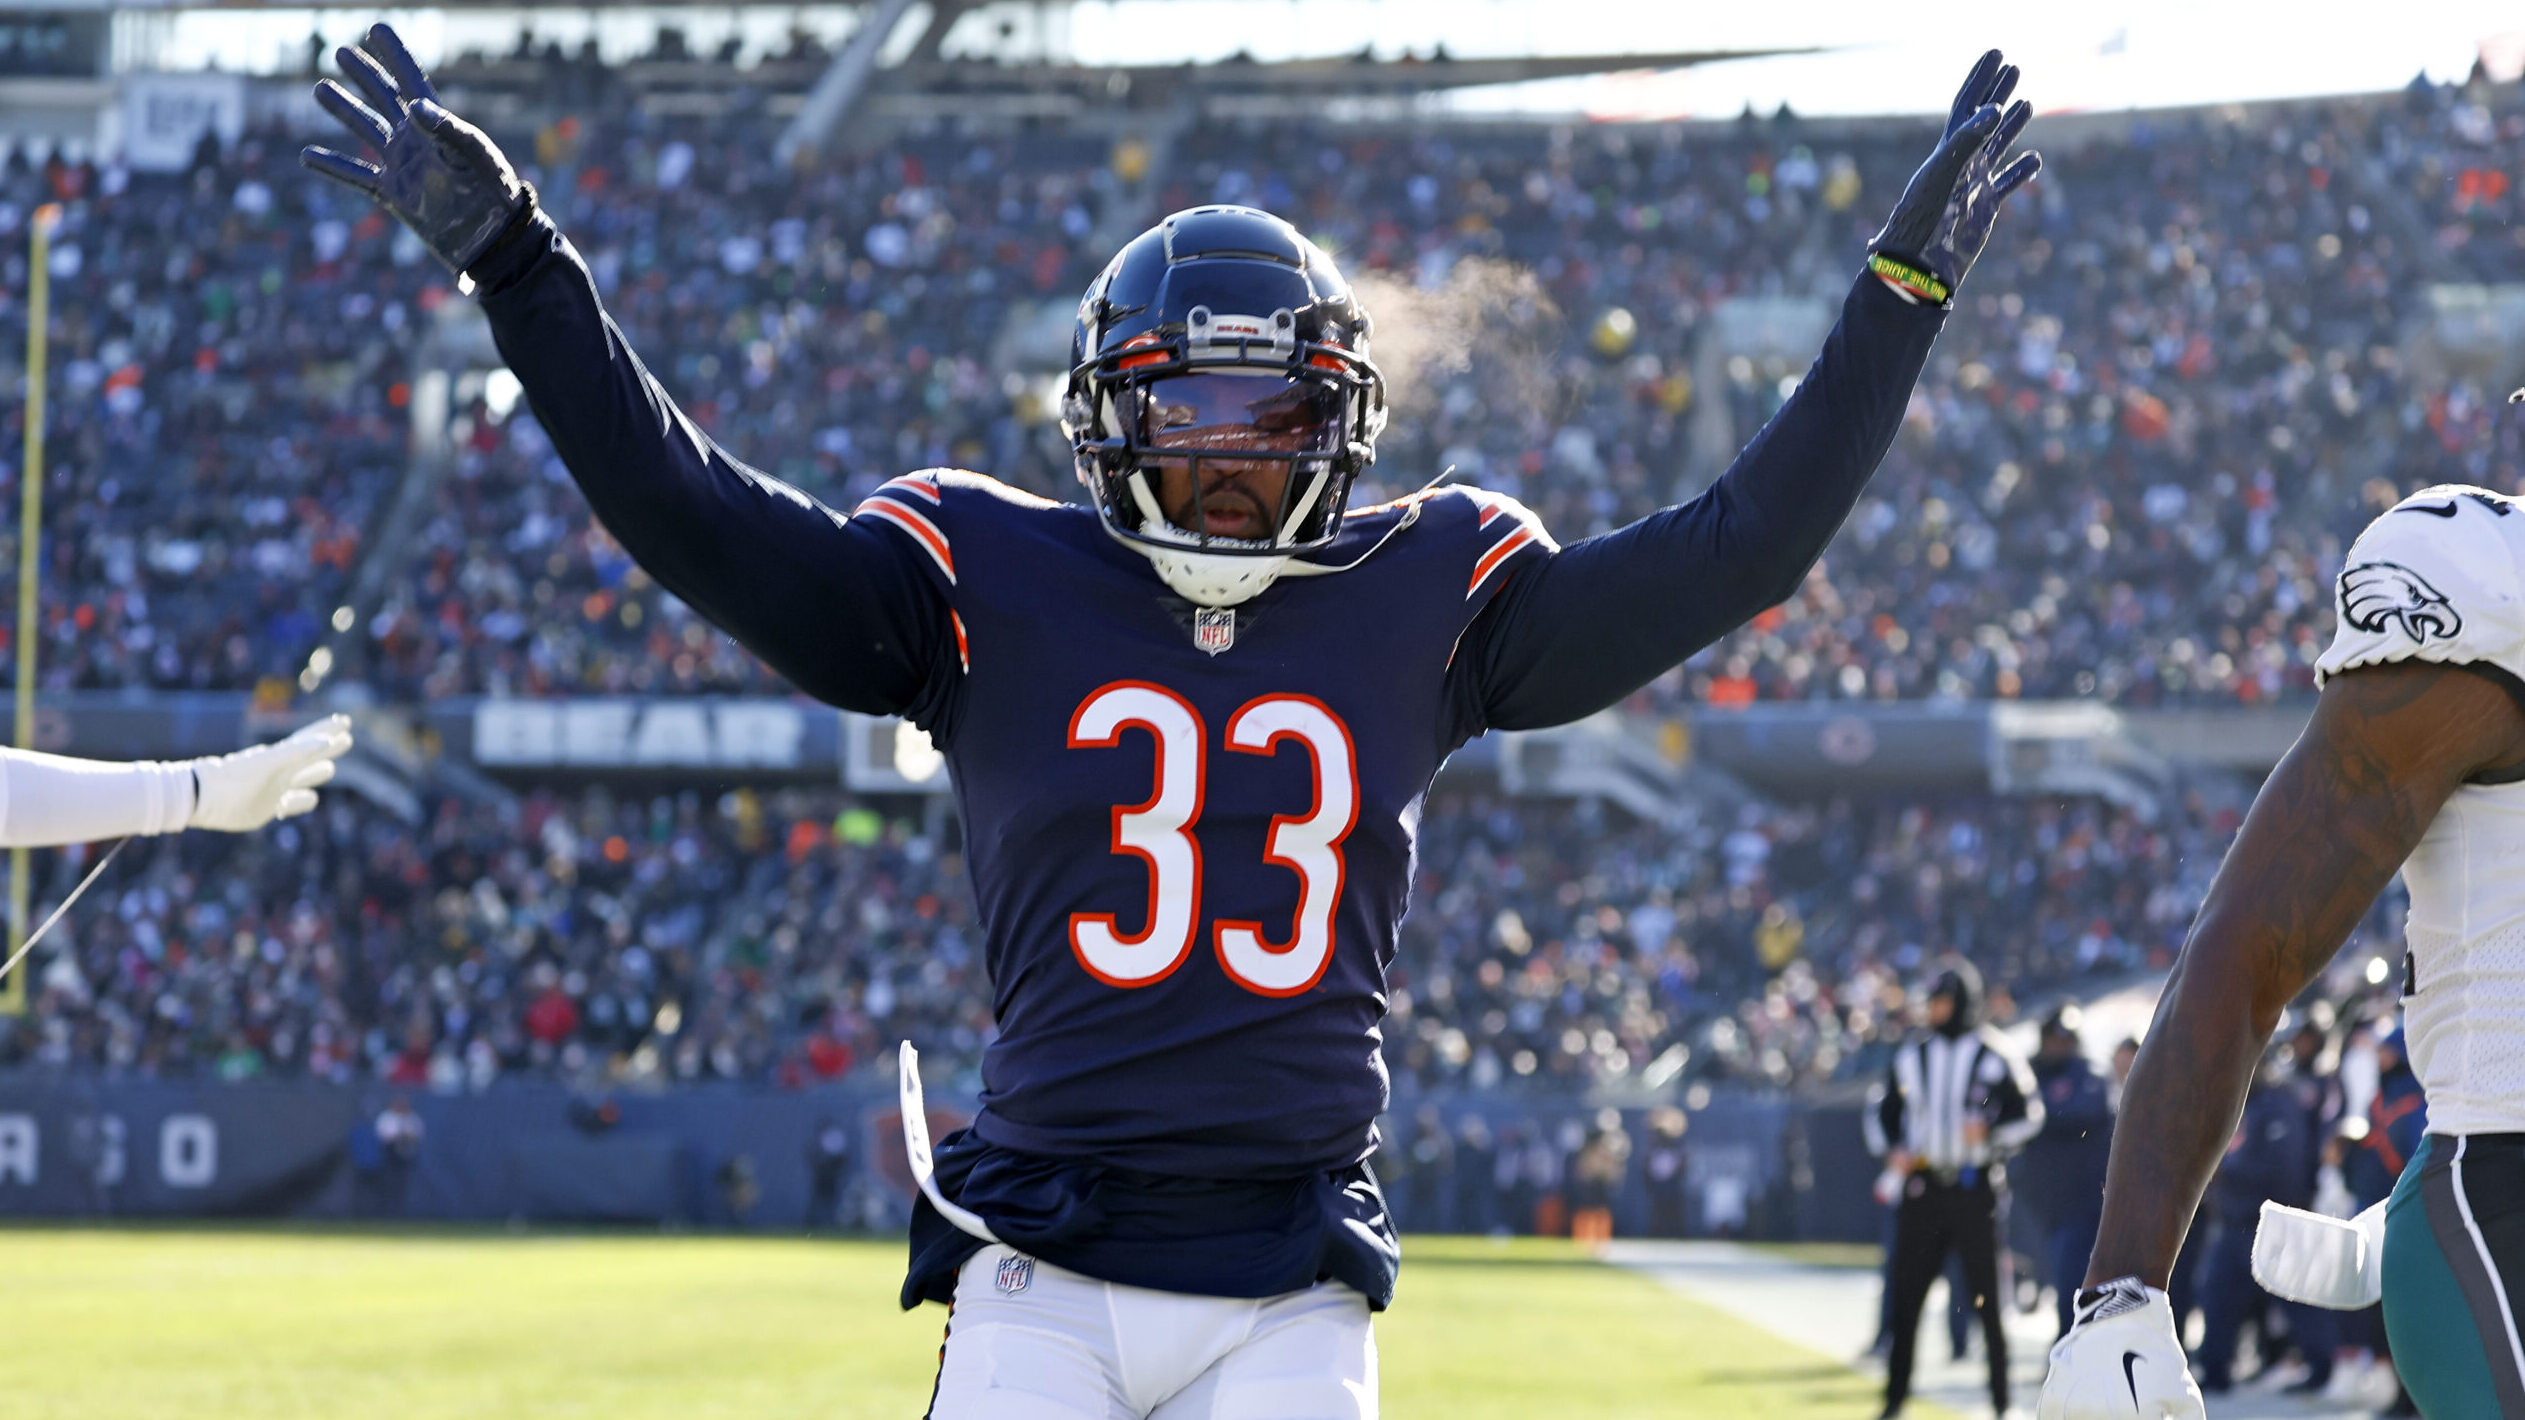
1230 413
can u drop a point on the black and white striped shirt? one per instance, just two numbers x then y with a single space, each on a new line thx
1935 1083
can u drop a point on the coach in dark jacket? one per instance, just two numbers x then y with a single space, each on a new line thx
2272 1157
2060 1177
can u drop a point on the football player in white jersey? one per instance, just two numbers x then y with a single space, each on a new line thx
46 799
2414 762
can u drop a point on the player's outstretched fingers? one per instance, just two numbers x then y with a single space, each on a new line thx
374 84
1977 87
360 177
295 802
2009 127
2016 175
383 42
358 117
310 775
330 735
2003 85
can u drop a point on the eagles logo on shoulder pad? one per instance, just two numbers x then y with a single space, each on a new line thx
2375 594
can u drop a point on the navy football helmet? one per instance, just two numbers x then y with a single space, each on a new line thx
1221 335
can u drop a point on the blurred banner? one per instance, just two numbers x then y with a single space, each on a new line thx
686 732
166 116
208 1151
720 1157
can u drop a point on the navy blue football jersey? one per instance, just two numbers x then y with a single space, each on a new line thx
1190 832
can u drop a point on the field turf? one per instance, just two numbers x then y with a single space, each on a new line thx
248 1324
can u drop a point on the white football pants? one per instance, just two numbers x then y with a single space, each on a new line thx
1029 1341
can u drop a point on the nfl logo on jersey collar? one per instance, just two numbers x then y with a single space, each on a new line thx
1015 1272
1214 628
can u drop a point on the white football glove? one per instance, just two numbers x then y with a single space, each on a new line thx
2323 1262
2121 1360
241 792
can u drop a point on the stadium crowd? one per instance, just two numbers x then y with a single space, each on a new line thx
2129 473
231 365
786 937
2171 399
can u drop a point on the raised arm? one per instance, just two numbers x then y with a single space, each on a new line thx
834 605
2337 818
1580 629
2330 829
49 799
1577 631
830 602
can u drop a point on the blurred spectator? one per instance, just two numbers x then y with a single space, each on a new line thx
828 1171
384 1151
2060 1176
1665 1166
1430 1156
2272 1158
1596 1176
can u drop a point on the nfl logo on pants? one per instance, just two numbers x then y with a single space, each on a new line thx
1014 1273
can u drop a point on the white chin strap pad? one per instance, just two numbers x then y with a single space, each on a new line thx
2322 1262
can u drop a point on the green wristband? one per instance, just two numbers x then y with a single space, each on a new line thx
1903 276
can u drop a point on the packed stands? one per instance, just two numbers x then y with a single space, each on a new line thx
2175 390
785 937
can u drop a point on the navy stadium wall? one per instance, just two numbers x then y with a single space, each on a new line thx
84 1148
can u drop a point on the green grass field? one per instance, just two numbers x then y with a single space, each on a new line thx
246 1324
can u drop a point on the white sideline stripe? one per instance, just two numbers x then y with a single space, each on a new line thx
2489 1264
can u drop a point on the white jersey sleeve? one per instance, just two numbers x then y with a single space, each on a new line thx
46 799
2434 579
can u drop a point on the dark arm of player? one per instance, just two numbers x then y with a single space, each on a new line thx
829 602
1600 618
2330 829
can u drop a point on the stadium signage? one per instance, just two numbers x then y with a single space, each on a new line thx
686 733
188 1150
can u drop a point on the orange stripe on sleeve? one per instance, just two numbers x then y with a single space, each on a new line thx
1492 559
922 530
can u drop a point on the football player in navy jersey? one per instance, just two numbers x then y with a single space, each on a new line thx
1190 727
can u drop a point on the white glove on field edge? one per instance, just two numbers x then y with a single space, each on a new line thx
2323 1262
243 791
2121 1360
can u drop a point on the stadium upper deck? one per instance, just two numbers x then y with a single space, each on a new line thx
2130 472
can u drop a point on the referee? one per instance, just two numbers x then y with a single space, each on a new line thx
1955 1100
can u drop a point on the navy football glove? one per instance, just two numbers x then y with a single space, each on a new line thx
442 176
1945 214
